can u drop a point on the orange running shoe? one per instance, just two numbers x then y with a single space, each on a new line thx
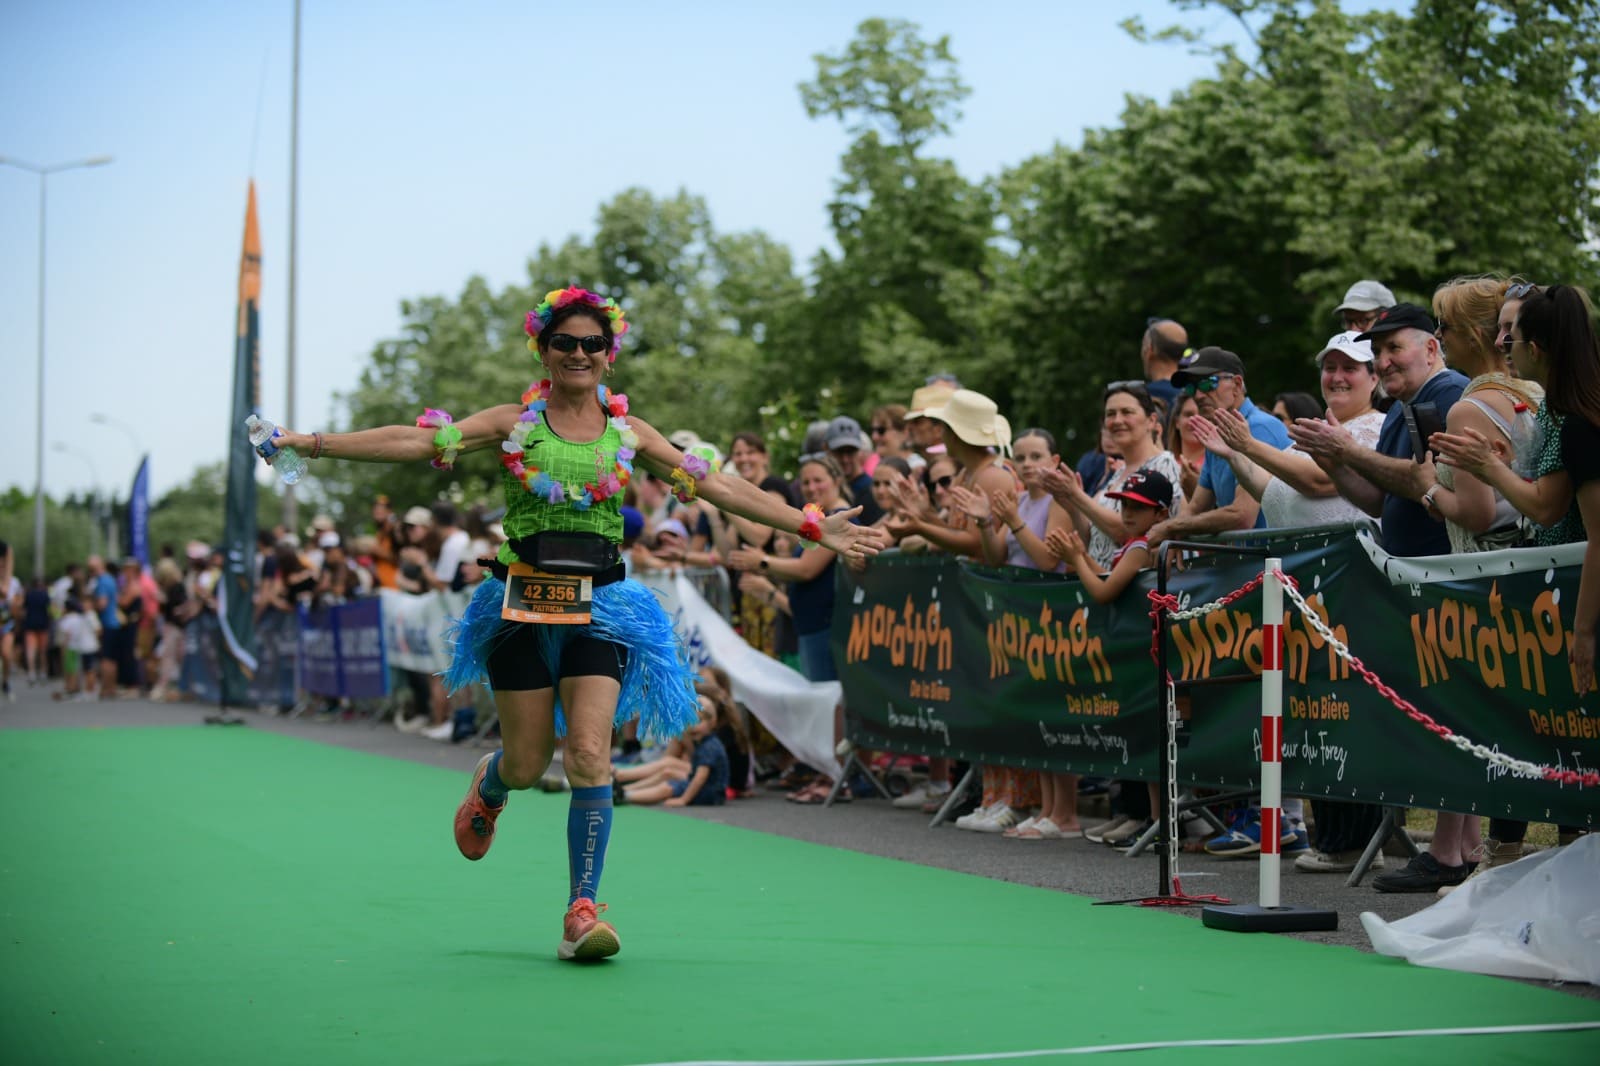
475 818
584 936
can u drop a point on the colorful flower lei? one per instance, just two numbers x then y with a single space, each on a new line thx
446 442
556 299
541 484
810 526
686 478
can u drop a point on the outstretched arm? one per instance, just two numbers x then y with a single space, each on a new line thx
403 444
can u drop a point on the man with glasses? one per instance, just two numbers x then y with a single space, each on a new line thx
1215 378
1162 351
844 444
1363 303
1386 483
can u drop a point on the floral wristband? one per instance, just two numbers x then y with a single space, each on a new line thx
810 526
686 478
446 442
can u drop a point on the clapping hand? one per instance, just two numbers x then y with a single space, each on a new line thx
1066 544
1468 450
1064 484
973 504
1324 440
911 498
1004 505
1207 433
1233 429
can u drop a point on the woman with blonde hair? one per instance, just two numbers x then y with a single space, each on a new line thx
1495 404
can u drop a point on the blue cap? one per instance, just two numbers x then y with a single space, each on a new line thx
632 523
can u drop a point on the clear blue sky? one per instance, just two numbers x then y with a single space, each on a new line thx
422 128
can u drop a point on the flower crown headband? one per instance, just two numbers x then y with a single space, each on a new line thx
556 299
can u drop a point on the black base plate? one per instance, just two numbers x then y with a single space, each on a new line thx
1251 918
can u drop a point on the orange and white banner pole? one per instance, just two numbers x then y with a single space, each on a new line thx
1271 729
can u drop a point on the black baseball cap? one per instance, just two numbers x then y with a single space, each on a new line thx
1205 362
1400 316
1149 487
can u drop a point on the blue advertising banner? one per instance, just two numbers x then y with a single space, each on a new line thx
139 514
341 651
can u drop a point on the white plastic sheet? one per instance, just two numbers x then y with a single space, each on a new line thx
1537 918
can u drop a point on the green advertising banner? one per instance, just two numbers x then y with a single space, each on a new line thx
1024 669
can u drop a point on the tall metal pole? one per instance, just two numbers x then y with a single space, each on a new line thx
38 458
38 449
290 516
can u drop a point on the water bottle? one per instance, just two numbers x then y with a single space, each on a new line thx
286 461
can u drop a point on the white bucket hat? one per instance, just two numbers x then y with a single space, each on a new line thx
975 419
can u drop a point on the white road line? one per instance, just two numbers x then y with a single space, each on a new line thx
1152 1045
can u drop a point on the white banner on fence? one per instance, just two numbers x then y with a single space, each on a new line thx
413 628
797 712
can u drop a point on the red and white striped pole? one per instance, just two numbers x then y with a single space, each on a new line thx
1271 729
1269 915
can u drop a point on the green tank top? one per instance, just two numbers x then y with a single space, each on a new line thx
573 465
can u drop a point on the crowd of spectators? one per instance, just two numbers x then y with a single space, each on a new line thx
1463 427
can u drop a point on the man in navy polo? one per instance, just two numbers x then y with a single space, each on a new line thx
1215 378
1387 482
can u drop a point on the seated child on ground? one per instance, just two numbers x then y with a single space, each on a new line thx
672 781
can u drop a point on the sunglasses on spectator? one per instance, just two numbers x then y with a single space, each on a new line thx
879 430
593 344
943 482
1520 289
1138 387
1208 384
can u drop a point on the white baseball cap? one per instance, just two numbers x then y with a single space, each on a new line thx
1346 342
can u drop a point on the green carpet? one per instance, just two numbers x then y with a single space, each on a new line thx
191 895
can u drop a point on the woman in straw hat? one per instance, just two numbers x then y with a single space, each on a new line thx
978 437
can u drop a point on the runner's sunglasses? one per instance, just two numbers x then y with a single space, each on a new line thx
593 344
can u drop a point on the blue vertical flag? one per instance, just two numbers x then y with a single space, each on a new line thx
139 514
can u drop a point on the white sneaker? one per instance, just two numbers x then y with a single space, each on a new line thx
1000 819
443 731
415 724
913 800
969 821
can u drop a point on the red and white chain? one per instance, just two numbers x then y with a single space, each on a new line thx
1519 767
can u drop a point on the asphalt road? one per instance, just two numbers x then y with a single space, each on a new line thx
1076 866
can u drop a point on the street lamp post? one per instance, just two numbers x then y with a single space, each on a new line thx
95 517
44 172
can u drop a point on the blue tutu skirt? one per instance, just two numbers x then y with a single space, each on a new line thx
657 684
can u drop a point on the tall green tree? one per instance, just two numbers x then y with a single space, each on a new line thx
898 299
1459 139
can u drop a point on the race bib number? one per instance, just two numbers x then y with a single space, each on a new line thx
551 599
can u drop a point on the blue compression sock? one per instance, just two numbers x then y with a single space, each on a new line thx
491 788
588 831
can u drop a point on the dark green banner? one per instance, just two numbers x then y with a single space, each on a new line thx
236 586
1024 669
